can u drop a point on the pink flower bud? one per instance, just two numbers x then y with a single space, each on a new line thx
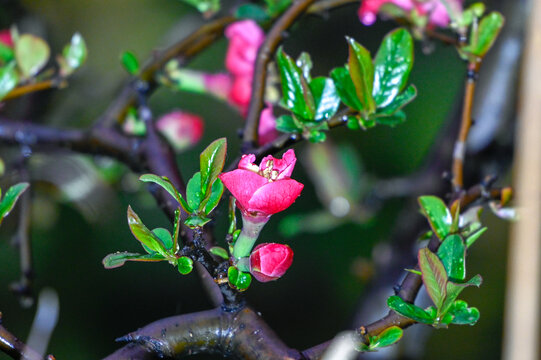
218 84
5 38
241 93
265 189
181 129
270 261
267 126
245 38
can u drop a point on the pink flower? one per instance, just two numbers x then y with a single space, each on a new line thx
5 38
267 126
182 129
434 9
270 261
245 38
218 85
265 189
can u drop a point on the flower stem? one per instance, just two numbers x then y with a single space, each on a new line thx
251 227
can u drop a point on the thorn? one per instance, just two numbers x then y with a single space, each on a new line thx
125 338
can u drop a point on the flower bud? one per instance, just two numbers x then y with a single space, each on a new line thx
5 38
182 129
270 261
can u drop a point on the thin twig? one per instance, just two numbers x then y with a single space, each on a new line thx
15 348
30 88
274 37
466 122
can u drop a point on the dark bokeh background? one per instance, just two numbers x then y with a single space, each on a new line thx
319 295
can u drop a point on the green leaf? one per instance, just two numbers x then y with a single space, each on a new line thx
185 265
143 234
487 33
193 191
31 53
392 66
403 99
387 337
168 186
130 62
304 62
434 276
211 162
317 136
325 96
118 259
361 71
8 79
165 237
196 221
219 251
473 237
462 314
238 279
288 124
176 231
296 93
10 198
251 11
276 7
452 253
6 53
74 54
345 88
215 196
408 310
454 289
205 6
438 215
391 120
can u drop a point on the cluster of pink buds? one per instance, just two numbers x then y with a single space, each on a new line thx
5 38
262 191
435 10
181 129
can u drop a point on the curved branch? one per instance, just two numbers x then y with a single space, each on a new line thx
274 38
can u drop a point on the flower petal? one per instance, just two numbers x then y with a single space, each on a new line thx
242 184
274 197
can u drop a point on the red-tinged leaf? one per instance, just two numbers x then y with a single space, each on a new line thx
361 71
143 234
434 276
118 259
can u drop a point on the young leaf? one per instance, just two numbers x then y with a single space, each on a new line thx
31 53
408 310
325 97
130 62
168 186
399 102
473 237
251 11
288 124
462 314
392 66
361 71
118 259
196 221
10 198
438 215
143 234
176 231
8 79
211 162
434 276
219 251
185 265
454 289
238 279
165 237
487 33
345 88
296 93
275 7
75 52
304 62
205 6
391 120
6 53
215 196
452 253
387 337
193 191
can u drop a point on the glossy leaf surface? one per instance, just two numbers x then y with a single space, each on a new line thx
143 234
185 265
75 52
10 198
32 53
387 337
325 96
462 314
392 66
238 279
345 88
211 162
488 31
118 259
361 71
130 62
452 253
438 215
408 310
8 79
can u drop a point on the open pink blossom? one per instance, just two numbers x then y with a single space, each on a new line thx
434 9
182 129
5 38
270 261
265 189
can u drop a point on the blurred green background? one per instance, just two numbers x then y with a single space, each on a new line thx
320 293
